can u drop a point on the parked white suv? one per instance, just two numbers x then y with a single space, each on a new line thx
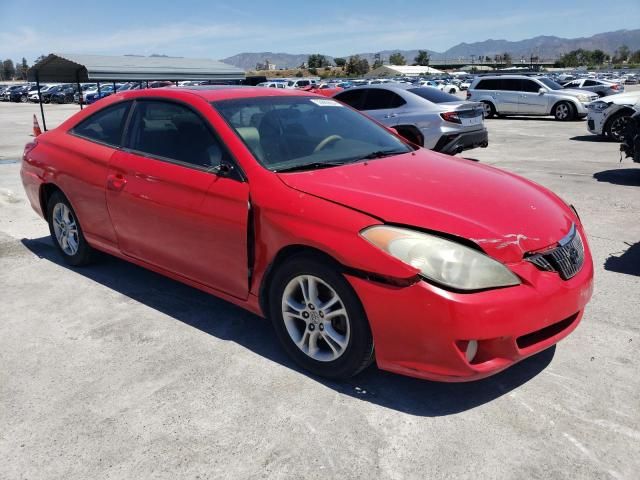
527 95
608 116
303 82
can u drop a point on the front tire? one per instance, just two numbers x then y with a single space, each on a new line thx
614 130
66 232
564 111
319 319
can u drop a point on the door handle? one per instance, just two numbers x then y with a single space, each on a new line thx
391 115
116 182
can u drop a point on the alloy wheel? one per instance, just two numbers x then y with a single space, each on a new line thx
486 109
65 229
562 111
315 318
616 130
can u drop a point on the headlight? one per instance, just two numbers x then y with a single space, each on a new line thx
584 98
443 261
598 106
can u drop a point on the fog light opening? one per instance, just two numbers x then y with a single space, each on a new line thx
472 350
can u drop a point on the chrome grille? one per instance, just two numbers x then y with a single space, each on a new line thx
566 259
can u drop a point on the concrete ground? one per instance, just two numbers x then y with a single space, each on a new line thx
112 372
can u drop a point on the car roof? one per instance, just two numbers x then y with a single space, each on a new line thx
212 93
385 86
511 76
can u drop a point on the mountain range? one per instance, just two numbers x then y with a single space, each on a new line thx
544 47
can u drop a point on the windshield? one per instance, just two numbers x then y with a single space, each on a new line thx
287 133
550 83
434 95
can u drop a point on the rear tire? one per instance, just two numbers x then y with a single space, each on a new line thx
319 319
564 111
489 109
66 232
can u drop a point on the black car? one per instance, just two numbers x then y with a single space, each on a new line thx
64 94
46 96
17 93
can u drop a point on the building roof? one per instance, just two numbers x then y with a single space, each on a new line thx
61 67
411 70
477 68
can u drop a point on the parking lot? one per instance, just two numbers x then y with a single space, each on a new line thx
111 371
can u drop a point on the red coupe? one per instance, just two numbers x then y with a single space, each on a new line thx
357 245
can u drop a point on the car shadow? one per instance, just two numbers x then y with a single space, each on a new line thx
227 322
628 262
620 176
533 118
590 138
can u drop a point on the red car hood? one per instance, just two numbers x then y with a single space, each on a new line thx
504 214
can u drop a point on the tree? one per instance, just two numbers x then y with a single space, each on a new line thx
598 57
423 58
397 59
621 54
377 61
21 69
340 62
356 65
317 61
506 58
363 66
635 57
8 70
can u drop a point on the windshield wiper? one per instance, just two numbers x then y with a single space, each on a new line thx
309 166
381 154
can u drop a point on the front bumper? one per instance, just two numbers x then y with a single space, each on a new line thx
581 109
422 330
595 122
453 143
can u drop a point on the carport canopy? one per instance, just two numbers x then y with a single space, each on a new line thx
76 68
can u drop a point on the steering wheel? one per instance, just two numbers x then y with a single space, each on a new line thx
324 143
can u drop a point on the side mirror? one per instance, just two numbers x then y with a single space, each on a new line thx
222 170
542 91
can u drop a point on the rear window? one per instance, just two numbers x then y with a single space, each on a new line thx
104 126
353 98
434 95
488 84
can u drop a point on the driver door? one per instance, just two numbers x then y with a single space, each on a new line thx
169 209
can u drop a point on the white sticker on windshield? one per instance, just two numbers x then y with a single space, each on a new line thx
325 102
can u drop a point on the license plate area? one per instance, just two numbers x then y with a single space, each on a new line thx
470 121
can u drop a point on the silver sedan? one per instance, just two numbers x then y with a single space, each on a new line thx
423 115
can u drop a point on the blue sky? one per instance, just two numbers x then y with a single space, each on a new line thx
212 29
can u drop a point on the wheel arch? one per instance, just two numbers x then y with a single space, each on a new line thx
570 101
491 102
46 191
413 132
625 109
283 255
